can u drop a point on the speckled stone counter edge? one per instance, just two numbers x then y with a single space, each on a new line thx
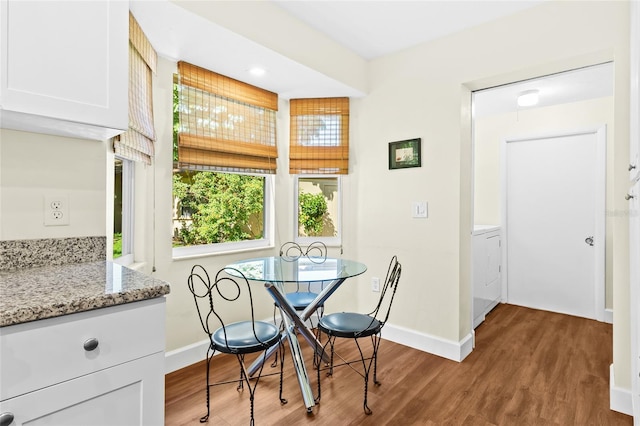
34 294
19 254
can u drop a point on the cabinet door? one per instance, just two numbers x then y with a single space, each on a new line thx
64 63
128 394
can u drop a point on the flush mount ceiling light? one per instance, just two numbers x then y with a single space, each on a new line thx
528 98
257 71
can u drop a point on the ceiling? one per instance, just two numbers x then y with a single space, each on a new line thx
570 86
377 28
370 29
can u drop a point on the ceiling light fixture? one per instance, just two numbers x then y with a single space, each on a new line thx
528 98
257 71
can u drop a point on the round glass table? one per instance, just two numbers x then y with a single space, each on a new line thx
274 272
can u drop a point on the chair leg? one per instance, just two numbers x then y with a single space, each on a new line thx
375 339
367 370
204 418
252 389
317 333
318 363
242 374
275 356
281 352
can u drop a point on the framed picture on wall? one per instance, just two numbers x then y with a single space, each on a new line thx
404 154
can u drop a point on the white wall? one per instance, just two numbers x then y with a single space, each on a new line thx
491 131
33 166
419 93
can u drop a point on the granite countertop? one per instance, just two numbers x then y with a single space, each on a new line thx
37 293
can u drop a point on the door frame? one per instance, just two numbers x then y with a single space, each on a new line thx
634 222
600 213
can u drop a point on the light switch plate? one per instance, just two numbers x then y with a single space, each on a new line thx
419 209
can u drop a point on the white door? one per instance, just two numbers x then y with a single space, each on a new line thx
554 193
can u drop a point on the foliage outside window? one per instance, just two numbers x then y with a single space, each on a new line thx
212 207
318 207
123 211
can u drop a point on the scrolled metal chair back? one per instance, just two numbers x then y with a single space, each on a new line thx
291 251
316 252
226 288
388 291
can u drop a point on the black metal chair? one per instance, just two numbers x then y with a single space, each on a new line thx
291 251
354 326
237 338
316 252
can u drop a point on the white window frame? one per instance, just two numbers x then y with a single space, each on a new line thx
238 246
128 211
329 241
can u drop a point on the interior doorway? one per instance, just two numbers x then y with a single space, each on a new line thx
576 99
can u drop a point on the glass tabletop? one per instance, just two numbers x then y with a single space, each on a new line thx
304 269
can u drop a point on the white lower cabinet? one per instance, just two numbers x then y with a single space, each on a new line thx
127 394
100 367
487 283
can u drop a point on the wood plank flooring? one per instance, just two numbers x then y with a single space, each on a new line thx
529 367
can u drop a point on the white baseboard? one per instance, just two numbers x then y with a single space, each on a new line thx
450 349
608 316
185 356
619 399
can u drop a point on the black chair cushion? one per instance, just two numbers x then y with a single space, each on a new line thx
349 324
300 300
241 339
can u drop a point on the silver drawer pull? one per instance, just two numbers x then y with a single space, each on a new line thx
89 345
6 419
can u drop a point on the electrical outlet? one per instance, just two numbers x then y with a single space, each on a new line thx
375 284
56 210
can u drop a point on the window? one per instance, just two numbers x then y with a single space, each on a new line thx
219 209
224 155
123 211
136 144
318 209
319 154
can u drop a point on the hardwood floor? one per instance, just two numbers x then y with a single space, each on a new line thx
529 367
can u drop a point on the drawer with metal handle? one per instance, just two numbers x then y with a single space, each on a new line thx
42 353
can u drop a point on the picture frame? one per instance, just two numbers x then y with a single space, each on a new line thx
405 154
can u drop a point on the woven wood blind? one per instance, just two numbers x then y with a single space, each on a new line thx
225 124
319 136
137 142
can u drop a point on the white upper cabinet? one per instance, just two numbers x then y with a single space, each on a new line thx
64 67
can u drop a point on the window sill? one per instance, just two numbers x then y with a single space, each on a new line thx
198 252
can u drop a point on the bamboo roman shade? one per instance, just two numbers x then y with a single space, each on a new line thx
319 136
225 124
137 142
